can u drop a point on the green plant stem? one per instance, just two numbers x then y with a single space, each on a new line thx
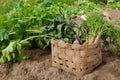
49 36
11 33
34 31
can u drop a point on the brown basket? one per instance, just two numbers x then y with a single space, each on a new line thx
75 58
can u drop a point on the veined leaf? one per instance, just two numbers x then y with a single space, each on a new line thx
12 52
26 43
10 48
3 35
19 47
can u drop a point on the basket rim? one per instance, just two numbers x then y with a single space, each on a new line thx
93 45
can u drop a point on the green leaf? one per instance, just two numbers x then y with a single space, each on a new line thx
26 43
3 35
47 1
60 27
21 57
10 48
8 56
13 55
6 53
19 48
3 59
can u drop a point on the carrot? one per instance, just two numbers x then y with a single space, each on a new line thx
97 39
91 40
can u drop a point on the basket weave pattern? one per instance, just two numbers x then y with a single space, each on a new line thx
78 60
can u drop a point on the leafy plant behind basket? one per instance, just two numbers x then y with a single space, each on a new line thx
88 32
64 28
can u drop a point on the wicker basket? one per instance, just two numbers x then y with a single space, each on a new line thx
75 58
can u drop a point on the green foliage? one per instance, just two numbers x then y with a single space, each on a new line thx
96 25
59 1
13 52
114 5
114 34
4 35
104 1
5 6
60 29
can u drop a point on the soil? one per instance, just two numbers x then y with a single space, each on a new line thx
39 67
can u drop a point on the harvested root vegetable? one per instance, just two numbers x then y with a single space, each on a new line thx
91 40
97 39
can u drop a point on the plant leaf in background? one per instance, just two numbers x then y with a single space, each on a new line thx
6 53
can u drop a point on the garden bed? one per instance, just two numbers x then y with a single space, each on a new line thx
39 68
